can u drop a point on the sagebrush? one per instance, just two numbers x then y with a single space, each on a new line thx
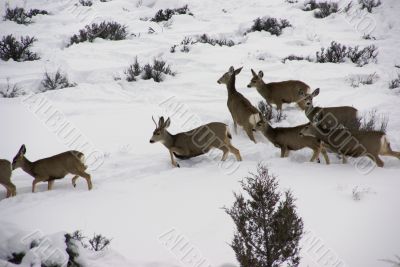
11 48
20 16
105 30
10 91
321 9
58 80
165 15
271 25
395 83
369 5
156 71
269 113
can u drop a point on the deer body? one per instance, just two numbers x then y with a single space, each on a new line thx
288 138
332 117
279 93
195 142
53 168
353 143
243 112
5 178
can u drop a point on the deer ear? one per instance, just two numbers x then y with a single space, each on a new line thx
22 150
167 123
260 74
316 92
231 69
237 71
253 72
161 121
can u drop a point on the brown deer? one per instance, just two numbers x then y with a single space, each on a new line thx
284 92
242 111
332 117
53 168
288 138
5 178
195 142
352 142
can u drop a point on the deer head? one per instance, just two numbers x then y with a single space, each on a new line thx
160 133
227 77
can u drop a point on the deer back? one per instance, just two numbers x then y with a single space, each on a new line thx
331 117
59 165
285 91
241 108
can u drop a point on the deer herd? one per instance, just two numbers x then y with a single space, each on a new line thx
331 129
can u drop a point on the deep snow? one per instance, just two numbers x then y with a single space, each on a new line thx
138 196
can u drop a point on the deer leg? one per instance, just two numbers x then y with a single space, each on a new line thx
74 180
88 179
226 152
13 190
326 157
378 161
8 194
250 134
235 126
344 159
50 184
279 106
283 151
287 151
236 152
315 155
35 181
173 161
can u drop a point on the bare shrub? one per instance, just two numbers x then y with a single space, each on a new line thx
335 53
165 15
54 82
325 9
356 80
338 53
11 91
205 39
363 56
105 30
20 16
271 25
155 71
268 228
99 242
371 121
10 48
86 2
296 58
395 83
369 4
269 113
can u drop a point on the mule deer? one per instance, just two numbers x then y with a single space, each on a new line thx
242 111
353 143
53 168
195 142
288 138
5 178
332 117
280 93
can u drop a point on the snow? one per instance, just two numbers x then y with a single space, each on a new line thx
138 196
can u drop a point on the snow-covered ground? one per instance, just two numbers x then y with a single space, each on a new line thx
138 197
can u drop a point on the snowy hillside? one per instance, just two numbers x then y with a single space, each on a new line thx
138 197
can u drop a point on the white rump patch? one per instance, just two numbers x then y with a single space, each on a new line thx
254 118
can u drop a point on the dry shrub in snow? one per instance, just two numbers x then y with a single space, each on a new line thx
155 71
204 38
296 58
10 91
105 30
268 228
371 121
356 80
10 48
54 82
20 16
395 83
322 9
86 2
369 4
271 25
270 114
338 53
165 15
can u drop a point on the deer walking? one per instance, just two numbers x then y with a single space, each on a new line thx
195 142
53 168
353 143
288 138
284 92
242 111
5 178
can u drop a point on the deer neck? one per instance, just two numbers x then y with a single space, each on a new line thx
270 133
27 166
231 86
169 140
